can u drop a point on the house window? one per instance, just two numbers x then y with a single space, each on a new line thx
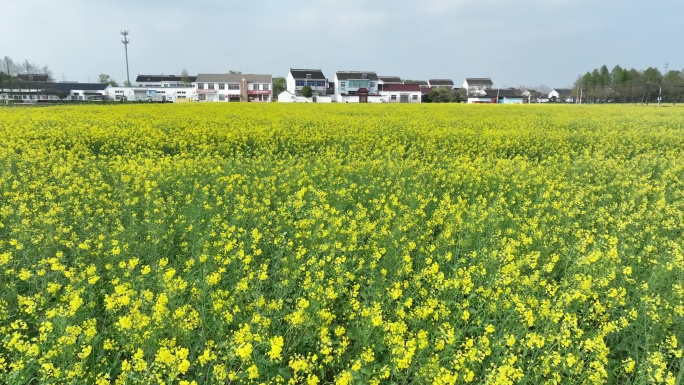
415 97
372 84
222 97
308 76
222 86
210 86
255 87
200 86
265 87
343 84
233 86
393 97
300 83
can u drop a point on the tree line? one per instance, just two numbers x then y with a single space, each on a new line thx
10 70
621 85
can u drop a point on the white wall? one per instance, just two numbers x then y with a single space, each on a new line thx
387 96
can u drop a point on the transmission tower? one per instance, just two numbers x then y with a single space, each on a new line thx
125 42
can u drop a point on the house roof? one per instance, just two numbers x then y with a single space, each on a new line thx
33 77
233 78
502 93
563 90
346 75
441 82
479 81
162 78
301 74
390 79
419 82
400 87
68 86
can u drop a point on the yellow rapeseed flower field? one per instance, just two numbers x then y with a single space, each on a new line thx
321 244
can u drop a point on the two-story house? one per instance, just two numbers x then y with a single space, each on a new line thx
475 86
357 87
233 87
441 83
299 78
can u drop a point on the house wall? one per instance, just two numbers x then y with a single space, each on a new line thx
511 101
387 96
255 91
150 93
313 83
357 83
355 99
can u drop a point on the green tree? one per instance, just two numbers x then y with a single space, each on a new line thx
233 72
185 78
307 92
279 85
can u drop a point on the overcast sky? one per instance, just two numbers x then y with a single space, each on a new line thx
514 42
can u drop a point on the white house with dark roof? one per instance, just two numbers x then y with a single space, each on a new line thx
389 80
477 85
314 78
233 88
163 81
441 83
154 94
561 95
357 87
401 93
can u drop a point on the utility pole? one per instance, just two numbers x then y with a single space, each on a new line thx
662 78
125 42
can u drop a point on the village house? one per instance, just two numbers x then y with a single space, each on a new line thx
173 81
233 88
561 95
498 96
477 85
300 78
357 87
440 83
388 80
401 93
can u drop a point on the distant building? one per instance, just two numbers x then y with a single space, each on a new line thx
441 83
233 87
501 96
401 93
163 81
299 78
356 87
561 95
81 91
477 85
389 80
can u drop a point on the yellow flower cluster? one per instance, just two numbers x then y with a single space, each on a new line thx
337 244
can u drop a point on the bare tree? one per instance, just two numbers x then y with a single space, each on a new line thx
10 69
185 78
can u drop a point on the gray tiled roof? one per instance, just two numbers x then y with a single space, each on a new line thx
301 74
161 78
479 81
233 78
441 82
346 75
80 86
419 82
390 79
